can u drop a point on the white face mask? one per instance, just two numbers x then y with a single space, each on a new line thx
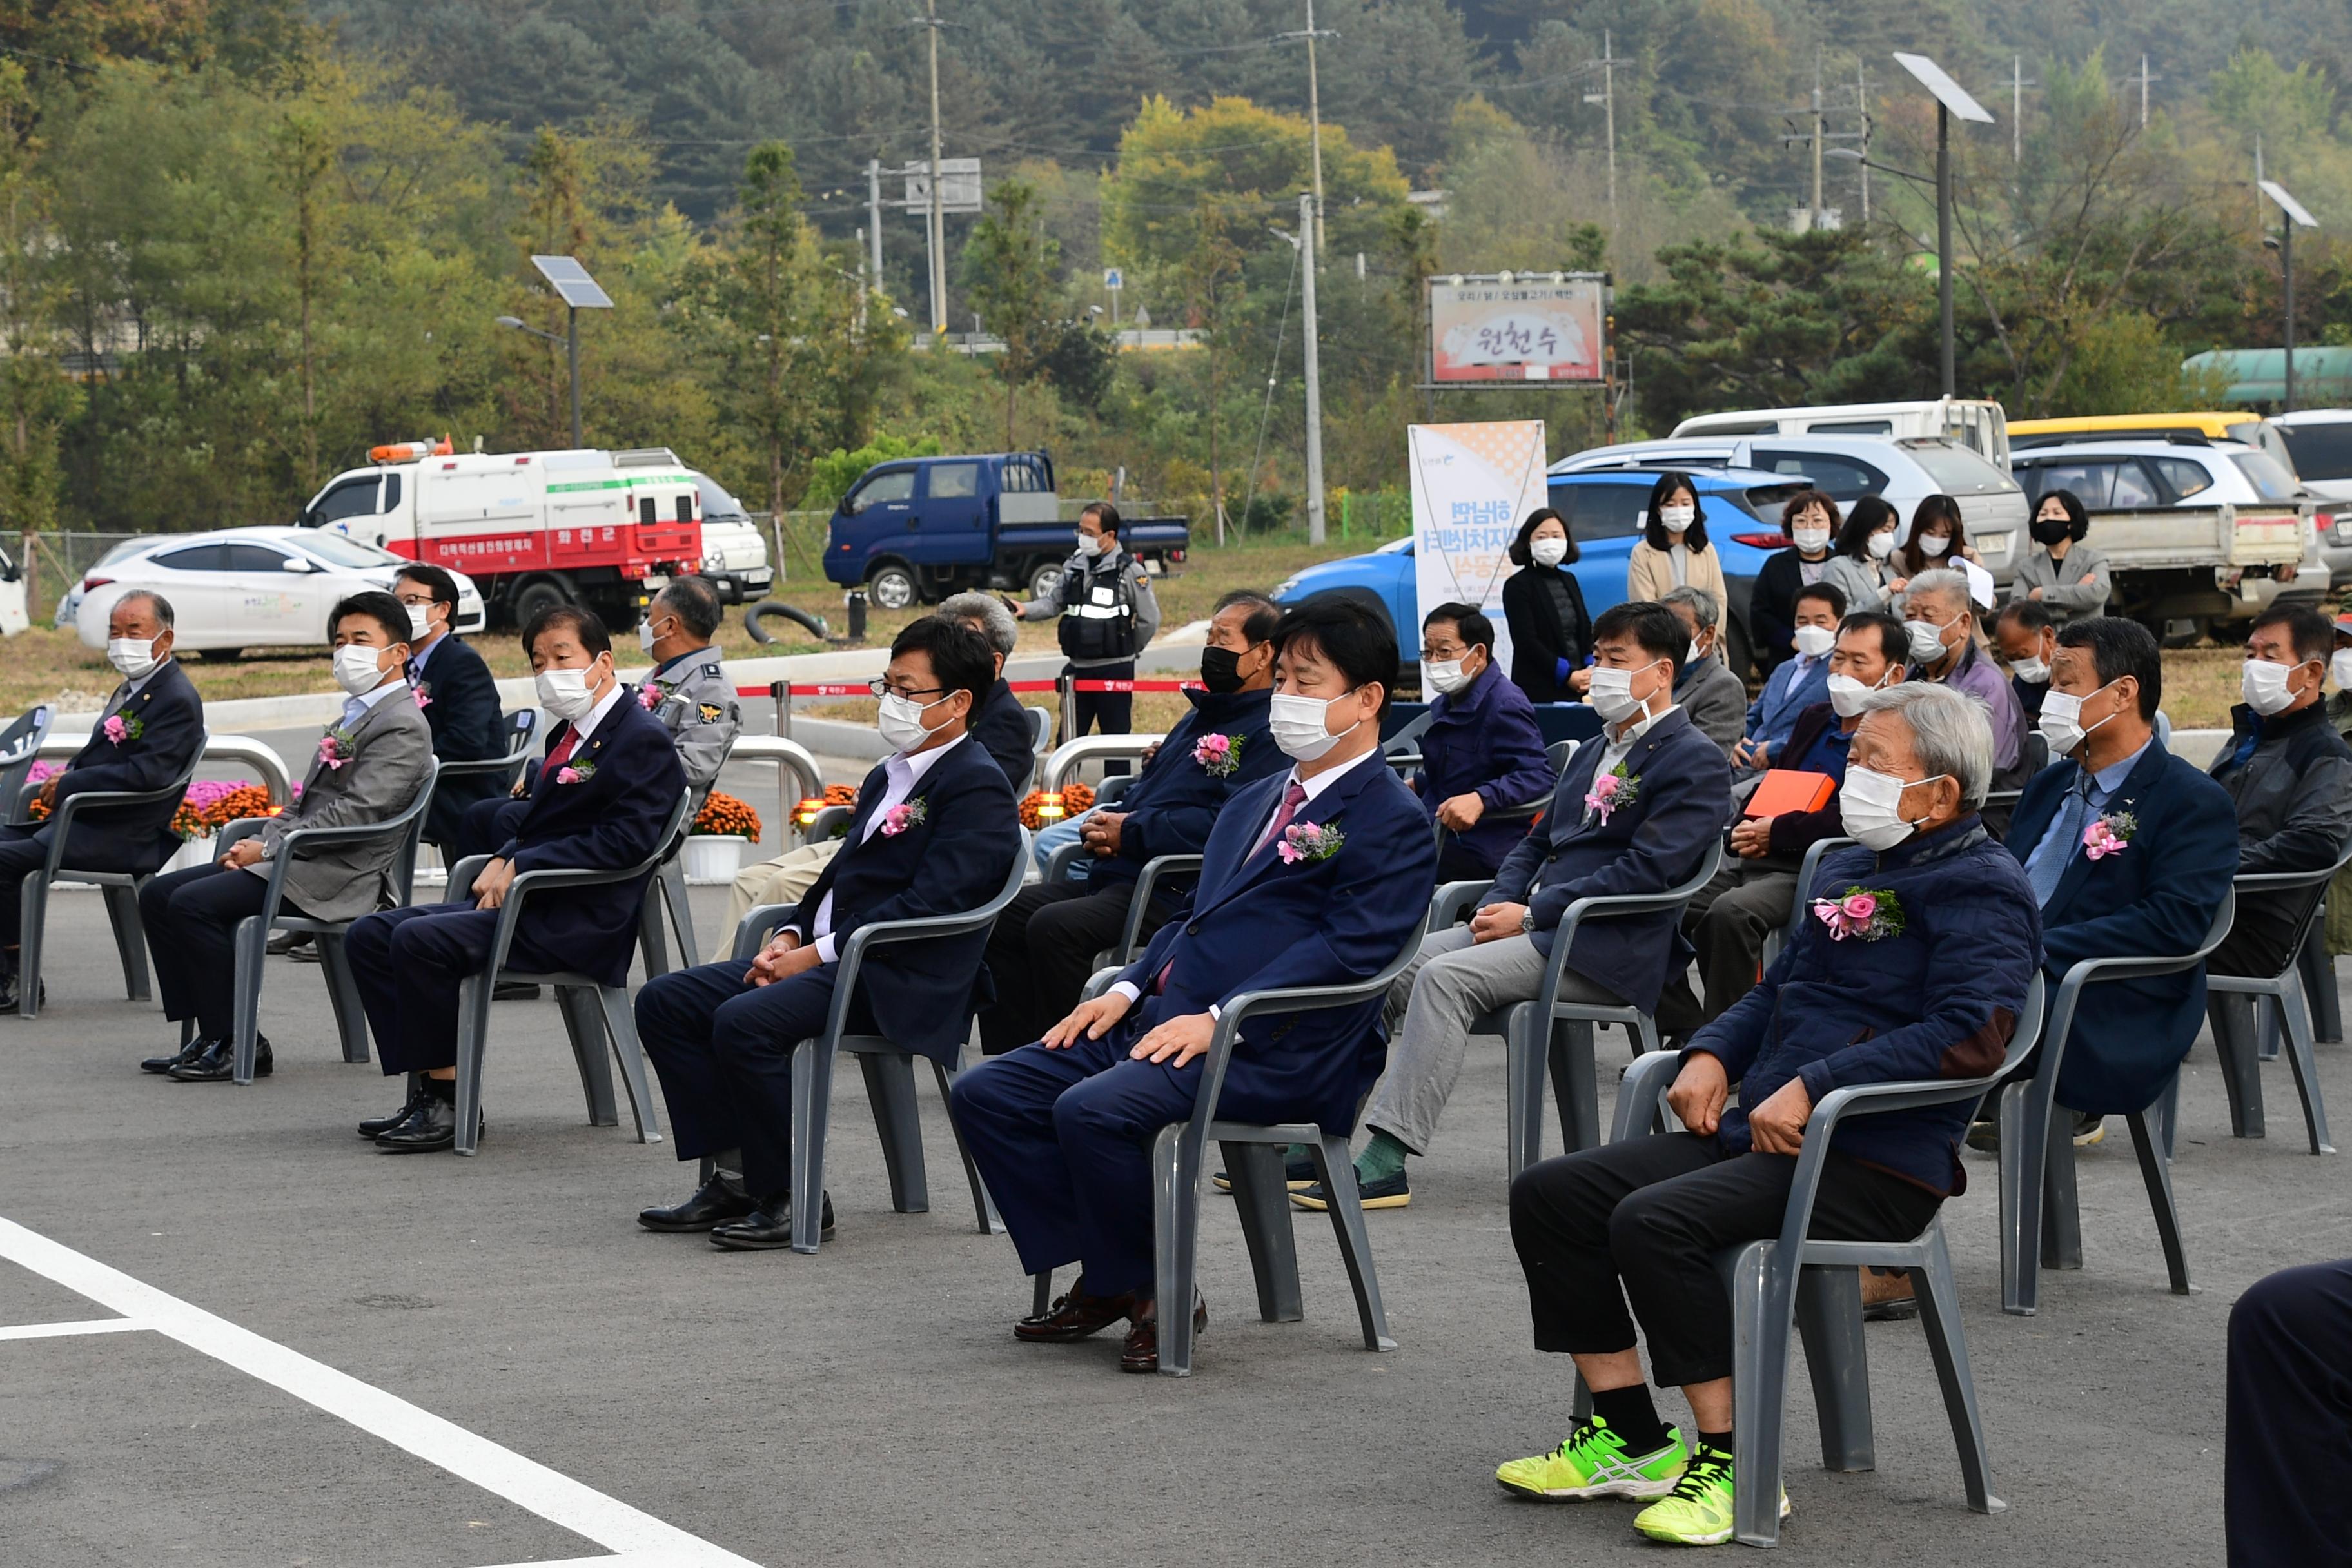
1676 519
1934 544
1693 654
420 621
135 657
1812 541
1612 694
565 694
2062 721
1444 676
1090 545
2264 686
359 670
1299 728
1882 545
2339 669
901 720
1870 807
646 638
1547 551
1815 641
1926 640
1846 694
2033 671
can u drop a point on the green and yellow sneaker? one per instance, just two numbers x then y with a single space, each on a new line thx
1697 1513
1592 1462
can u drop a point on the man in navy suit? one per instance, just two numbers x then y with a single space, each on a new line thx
1635 811
2130 851
153 724
935 833
454 688
1796 683
609 784
1043 946
1319 876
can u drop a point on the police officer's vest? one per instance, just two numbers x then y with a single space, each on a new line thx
1099 612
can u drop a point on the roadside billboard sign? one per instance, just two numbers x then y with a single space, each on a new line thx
1505 327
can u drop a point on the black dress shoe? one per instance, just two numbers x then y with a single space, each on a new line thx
713 1205
196 1046
1074 1317
376 1127
768 1226
10 994
515 990
431 1126
1141 1350
218 1065
287 941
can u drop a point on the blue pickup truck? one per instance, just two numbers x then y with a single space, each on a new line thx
922 527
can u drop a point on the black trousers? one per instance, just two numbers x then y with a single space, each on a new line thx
1644 1219
191 919
410 961
2287 1458
1112 711
1041 954
723 1051
20 857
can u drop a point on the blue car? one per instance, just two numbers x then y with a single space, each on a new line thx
1604 513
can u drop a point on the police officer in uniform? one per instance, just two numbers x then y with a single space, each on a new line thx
687 690
1109 615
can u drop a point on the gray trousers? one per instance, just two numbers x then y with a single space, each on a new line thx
1431 1006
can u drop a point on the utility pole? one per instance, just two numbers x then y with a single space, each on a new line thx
1815 220
2017 86
1607 99
1314 113
1861 110
1313 375
874 218
2144 79
938 227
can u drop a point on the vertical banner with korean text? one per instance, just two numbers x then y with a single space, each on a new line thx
1472 485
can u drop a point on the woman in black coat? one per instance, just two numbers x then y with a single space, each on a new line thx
1550 633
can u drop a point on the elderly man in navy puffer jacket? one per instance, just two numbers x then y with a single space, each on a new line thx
1914 964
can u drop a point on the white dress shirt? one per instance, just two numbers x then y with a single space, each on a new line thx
902 773
1615 745
587 726
355 706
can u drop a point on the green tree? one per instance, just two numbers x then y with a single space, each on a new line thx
1010 274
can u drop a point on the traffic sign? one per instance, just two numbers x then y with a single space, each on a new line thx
1112 280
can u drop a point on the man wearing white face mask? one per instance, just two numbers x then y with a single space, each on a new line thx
601 802
1798 682
1108 614
2289 775
1705 688
459 697
368 767
1942 627
1482 750
151 727
688 689
2026 636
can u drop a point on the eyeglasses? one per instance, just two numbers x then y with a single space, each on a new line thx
882 687
419 602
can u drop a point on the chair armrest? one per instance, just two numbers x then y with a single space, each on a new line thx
460 886
1445 905
483 765
1057 864
1605 906
1114 788
829 821
1642 1092
2275 881
62 814
1291 999
242 829
1100 981
1131 935
851 954
1526 811
1404 762
753 932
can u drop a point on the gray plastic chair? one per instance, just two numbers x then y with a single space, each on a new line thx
2281 1001
1252 1154
1817 1285
2320 985
2041 1224
252 935
1535 1042
20 748
1041 742
830 822
1815 853
120 888
592 1010
1139 904
521 727
667 890
889 1066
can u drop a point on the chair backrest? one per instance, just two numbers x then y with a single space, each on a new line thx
404 860
20 748
1558 754
1821 850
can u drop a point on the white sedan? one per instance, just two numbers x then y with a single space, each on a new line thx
250 587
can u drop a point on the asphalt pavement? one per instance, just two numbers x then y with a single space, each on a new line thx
537 1380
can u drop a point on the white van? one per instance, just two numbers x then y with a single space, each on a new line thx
1975 423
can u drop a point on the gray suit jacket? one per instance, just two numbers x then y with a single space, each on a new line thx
392 745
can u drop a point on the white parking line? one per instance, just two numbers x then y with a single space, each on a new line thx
639 1539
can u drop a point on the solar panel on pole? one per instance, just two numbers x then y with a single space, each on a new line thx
572 283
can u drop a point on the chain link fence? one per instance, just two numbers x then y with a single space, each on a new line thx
55 562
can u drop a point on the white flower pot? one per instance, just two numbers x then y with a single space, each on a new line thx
712 859
194 852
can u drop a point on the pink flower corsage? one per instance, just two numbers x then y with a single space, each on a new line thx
1610 791
2110 835
1218 755
649 697
1861 911
116 728
336 748
902 816
1309 841
577 773
423 695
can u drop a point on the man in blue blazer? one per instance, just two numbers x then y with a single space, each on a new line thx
2130 851
1043 946
609 787
1482 751
1319 876
1796 683
454 688
935 833
1635 811
152 724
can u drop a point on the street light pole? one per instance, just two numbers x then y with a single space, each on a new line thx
1944 238
1314 370
572 352
2292 216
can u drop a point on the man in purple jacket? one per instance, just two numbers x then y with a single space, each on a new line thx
1482 752
1928 983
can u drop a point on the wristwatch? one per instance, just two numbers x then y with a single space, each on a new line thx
1527 922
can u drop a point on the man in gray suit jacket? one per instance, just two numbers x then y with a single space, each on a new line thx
368 768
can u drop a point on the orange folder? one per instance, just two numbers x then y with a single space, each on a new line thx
1786 790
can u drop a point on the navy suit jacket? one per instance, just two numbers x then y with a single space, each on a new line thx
1681 801
610 818
1260 923
2157 897
954 860
1484 742
1001 725
170 718
461 704
1171 808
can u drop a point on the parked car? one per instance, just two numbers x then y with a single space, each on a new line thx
236 588
2213 425
1904 470
1978 424
1604 511
734 550
923 527
2195 532
69 601
12 618
2320 442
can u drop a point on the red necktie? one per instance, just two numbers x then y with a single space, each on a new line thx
562 752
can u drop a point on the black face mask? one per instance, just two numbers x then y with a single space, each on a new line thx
1221 669
2051 530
